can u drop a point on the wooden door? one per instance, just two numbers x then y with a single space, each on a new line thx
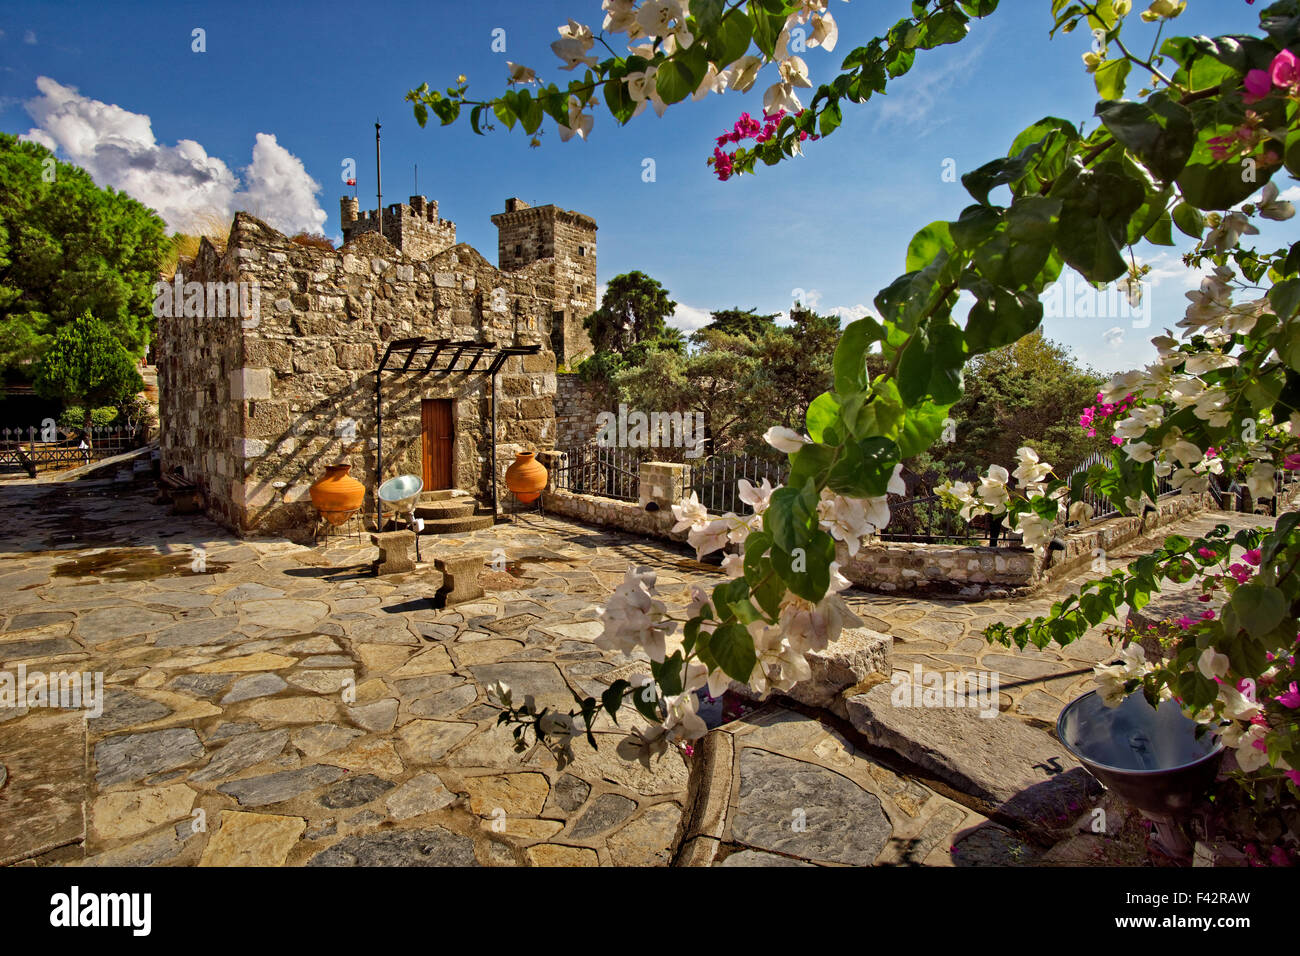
436 428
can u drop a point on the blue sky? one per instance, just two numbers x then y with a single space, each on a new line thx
285 92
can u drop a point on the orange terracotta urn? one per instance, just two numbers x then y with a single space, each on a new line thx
526 477
336 494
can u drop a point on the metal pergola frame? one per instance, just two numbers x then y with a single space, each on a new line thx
400 358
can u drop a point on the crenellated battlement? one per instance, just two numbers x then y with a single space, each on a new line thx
412 227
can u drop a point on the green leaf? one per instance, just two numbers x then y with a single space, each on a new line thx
733 649
927 244
1284 297
851 354
1189 220
1160 132
731 40
1110 77
976 225
823 413
1259 607
999 318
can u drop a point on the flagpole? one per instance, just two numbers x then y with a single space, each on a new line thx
379 189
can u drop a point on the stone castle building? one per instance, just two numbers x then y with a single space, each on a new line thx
253 407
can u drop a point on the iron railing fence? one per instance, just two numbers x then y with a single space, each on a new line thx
24 449
604 472
715 479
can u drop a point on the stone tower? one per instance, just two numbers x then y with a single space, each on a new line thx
413 227
526 234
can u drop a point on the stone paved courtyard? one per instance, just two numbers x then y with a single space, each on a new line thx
227 736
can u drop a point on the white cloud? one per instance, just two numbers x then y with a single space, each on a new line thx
689 319
913 98
182 182
1290 195
1114 336
30 38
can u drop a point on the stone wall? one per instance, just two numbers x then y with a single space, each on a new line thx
577 403
567 241
200 395
892 567
296 391
414 228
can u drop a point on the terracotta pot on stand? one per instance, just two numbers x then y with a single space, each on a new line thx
526 477
337 495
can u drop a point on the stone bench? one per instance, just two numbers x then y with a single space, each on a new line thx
394 551
459 577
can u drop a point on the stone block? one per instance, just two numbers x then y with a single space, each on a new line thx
660 482
250 383
394 553
459 577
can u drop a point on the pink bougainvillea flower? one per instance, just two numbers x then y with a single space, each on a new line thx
1292 462
1285 70
1279 857
1116 440
1294 776
1253 556
1185 622
1203 597
1206 553
1291 698
1207 615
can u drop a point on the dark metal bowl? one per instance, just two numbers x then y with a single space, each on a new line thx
1150 756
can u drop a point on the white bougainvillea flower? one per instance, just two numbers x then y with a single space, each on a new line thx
1261 481
1035 530
580 123
1270 207
993 489
733 566
690 513
825 32
1212 664
1186 452
683 722
1188 481
1225 236
711 537
784 439
810 627
1201 362
520 73
742 74
756 497
1139 451
698 675
620 17
1249 756
714 81
1122 384
1030 468
1236 705
634 619
575 40
664 18
499 690
896 484
1110 684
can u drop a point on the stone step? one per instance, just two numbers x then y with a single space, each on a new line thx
471 522
450 508
444 494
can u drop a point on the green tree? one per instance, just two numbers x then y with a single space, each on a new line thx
746 322
68 247
632 311
711 380
792 367
86 365
1029 393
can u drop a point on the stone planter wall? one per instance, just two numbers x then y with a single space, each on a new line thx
891 567
577 403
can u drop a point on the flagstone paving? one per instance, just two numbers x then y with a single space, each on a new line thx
273 704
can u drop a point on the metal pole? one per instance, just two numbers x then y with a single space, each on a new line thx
379 446
379 188
495 503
